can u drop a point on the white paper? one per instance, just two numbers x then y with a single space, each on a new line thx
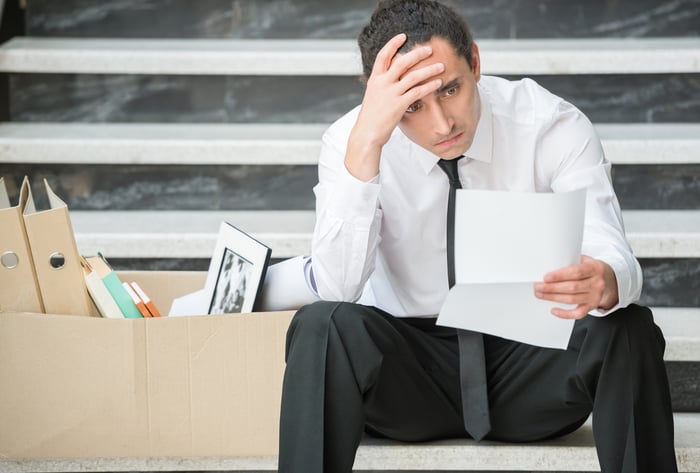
194 303
504 243
286 286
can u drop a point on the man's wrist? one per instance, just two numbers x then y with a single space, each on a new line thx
362 157
610 297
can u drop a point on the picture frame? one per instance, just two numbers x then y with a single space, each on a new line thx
236 272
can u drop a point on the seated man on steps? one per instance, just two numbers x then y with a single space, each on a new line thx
369 356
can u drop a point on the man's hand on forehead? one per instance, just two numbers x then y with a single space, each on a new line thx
414 84
394 84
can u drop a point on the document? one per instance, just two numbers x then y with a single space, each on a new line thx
504 243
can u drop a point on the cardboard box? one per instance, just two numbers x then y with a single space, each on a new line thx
75 387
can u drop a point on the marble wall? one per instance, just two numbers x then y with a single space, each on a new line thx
612 98
152 187
344 18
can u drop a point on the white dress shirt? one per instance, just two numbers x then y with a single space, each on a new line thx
383 242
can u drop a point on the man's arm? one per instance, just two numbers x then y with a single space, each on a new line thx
608 276
348 216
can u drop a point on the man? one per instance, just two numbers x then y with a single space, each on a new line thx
369 357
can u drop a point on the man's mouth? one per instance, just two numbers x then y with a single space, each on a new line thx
449 141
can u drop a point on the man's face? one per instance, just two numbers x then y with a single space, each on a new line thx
444 122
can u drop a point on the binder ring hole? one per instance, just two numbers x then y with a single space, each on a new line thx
9 259
57 260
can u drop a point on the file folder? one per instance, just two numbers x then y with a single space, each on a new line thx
19 288
56 258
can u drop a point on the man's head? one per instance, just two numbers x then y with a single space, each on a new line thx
445 121
420 20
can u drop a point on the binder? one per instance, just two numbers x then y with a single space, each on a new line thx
56 258
19 287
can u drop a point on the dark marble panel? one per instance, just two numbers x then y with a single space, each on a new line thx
219 99
344 19
182 99
143 187
671 282
104 187
656 187
622 98
684 379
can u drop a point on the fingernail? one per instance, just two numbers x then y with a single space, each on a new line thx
428 49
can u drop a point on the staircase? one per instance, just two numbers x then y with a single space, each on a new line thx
155 120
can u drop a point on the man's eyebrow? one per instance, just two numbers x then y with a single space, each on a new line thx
449 85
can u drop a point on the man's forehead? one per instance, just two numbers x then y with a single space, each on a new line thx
443 51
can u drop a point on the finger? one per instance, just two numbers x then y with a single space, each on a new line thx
385 56
574 272
579 312
582 298
565 287
418 76
420 91
402 63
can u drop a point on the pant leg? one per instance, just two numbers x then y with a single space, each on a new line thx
351 366
614 367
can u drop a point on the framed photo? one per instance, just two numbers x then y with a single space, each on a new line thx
236 272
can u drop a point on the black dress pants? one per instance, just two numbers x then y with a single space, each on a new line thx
353 368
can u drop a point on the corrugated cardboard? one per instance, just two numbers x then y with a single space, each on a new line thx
19 288
180 386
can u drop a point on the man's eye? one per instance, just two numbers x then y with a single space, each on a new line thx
414 107
451 91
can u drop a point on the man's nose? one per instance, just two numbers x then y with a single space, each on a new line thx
442 122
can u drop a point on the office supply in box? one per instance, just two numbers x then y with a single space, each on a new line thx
56 258
19 287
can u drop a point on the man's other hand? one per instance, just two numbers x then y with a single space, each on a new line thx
589 285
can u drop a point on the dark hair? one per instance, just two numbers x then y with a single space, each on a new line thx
421 20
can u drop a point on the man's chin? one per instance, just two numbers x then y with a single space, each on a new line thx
451 152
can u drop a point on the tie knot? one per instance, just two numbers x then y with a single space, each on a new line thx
449 167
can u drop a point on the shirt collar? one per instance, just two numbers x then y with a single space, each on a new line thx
481 148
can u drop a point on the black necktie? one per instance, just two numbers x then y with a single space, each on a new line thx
472 366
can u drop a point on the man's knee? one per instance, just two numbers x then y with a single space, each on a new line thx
313 322
319 315
633 325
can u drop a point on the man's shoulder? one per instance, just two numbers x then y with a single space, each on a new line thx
522 99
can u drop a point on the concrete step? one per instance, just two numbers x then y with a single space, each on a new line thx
334 57
574 452
192 234
275 144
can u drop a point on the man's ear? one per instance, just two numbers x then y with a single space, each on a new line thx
476 62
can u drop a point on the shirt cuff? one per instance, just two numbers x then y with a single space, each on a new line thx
622 276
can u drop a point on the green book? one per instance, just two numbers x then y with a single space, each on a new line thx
114 286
